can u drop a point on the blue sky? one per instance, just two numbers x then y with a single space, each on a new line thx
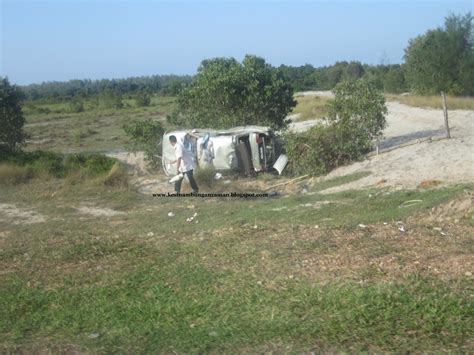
62 40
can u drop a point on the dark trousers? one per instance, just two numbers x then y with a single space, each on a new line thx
194 186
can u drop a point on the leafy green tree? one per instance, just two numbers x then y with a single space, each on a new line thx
394 80
226 93
355 117
143 99
145 136
11 116
76 104
442 59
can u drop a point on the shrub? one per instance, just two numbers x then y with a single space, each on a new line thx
355 117
11 115
143 99
145 136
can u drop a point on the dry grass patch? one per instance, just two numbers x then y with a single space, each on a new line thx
434 101
310 107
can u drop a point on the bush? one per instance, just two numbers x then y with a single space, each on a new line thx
356 117
11 115
50 164
142 99
146 136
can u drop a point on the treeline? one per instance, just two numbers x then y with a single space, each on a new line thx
389 78
438 60
65 90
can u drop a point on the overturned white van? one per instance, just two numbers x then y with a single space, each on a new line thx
245 149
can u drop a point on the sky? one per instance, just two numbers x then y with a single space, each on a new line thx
79 39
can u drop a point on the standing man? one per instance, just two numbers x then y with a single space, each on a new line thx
185 165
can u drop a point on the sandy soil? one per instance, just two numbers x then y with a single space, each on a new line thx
449 161
9 212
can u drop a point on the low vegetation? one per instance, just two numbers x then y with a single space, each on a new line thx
20 166
244 279
434 101
309 107
356 116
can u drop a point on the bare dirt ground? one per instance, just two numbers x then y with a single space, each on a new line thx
447 161
9 212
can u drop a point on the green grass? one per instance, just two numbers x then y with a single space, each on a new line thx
310 107
141 281
53 127
434 101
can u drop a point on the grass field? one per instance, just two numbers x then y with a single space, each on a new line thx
93 266
108 271
309 107
92 130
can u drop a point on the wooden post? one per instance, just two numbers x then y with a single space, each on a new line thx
445 110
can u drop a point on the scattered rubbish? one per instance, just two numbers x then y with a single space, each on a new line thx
362 225
94 335
255 227
280 164
304 191
227 182
444 234
196 222
316 226
385 223
409 203
437 229
402 229
171 214
150 234
190 219
191 207
217 176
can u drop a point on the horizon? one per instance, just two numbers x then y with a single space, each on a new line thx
58 41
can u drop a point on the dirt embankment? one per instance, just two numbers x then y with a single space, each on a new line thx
448 161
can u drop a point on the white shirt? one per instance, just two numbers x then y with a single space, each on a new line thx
187 159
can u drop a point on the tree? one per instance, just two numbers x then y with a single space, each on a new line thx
394 80
226 93
355 117
143 99
11 115
145 136
442 59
